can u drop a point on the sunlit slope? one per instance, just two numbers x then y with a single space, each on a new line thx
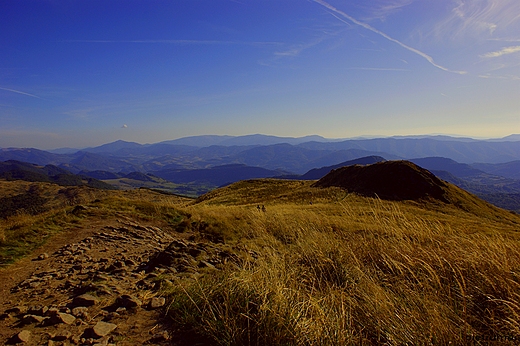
333 267
433 197
311 265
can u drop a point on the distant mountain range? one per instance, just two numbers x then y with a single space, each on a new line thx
16 170
297 155
484 167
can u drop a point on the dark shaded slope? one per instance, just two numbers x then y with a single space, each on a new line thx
16 170
392 180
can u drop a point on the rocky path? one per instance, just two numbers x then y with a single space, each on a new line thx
103 288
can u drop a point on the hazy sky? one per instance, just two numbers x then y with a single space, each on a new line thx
87 72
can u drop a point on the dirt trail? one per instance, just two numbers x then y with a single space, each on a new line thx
27 265
99 284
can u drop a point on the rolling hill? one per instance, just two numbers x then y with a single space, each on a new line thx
16 170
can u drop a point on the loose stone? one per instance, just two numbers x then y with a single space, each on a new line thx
85 300
157 302
128 301
24 336
102 329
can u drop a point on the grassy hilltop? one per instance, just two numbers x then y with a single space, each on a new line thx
318 265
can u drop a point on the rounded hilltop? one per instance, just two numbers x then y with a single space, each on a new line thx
391 180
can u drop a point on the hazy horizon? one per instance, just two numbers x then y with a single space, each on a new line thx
454 136
85 73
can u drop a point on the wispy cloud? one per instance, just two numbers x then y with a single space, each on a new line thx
297 49
478 19
382 9
503 51
20 92
378 69
374 30
506 77
505 39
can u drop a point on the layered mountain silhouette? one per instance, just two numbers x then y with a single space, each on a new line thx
488 168
296 155
318 173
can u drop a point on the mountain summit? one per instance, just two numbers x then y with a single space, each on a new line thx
390 180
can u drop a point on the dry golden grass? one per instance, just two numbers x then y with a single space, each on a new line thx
351 270
23 231
323 267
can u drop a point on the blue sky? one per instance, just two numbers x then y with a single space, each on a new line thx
83 73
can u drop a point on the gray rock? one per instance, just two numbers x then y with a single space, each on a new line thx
30 319
23 336
128 301
59 318
81 312
102 329
85 300
157 302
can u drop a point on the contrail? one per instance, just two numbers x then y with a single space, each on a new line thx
20 92
368 27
